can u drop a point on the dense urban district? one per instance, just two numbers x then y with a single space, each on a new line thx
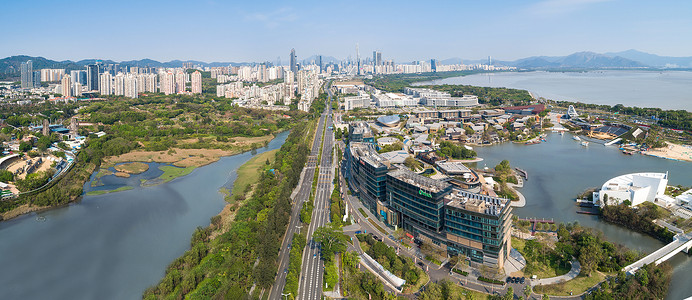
372 195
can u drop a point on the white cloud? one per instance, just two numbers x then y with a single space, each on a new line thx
561 7
273 18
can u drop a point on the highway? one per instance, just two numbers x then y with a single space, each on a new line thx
312 270
303 192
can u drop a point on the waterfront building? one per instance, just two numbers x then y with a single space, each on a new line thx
478 226
27 73
431 211
196 82
636 188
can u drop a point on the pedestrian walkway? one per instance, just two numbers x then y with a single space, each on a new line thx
515 262
573 273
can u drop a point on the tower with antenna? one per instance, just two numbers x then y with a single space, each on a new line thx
490 62
358 58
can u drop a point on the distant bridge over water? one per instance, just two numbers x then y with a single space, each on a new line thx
681 242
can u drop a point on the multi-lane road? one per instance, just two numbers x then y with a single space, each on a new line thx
303 192
312 270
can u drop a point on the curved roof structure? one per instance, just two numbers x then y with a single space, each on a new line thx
389 121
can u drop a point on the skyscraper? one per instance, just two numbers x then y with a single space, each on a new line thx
93 77
167 83
196 82
27 69
294 63
319 62
433 65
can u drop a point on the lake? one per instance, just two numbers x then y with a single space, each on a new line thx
663 89
113 246
561 168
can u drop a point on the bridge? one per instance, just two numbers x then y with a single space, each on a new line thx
680 243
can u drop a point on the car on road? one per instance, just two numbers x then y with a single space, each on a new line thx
314 255
420 263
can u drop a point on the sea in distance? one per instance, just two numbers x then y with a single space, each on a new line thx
662 89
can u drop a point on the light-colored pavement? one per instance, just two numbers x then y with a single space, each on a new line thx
573 273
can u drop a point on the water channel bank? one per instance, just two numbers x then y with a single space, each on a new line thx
560 169
113 246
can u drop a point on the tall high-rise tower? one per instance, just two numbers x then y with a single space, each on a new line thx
92 77
293 62
358 59
27 69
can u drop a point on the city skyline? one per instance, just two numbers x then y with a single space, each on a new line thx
254 32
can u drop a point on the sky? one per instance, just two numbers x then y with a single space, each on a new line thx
247 31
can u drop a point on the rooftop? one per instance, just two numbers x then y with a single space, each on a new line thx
452 168
476 202
419 180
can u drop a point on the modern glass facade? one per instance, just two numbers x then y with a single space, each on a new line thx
368 172
418 200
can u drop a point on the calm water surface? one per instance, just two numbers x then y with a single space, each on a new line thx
667 89
561 169
112 246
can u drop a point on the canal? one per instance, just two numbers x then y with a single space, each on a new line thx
113 246
561 168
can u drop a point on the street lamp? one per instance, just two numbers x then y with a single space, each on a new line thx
286 295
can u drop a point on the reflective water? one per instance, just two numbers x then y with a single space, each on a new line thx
112 246
666 89
561 168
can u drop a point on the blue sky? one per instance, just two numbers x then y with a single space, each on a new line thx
216 30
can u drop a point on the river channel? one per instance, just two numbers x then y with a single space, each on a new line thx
561 168
113 246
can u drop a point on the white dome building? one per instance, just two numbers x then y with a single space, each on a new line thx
636 188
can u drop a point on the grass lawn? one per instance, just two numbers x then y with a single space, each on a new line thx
103 172
101 192
543 268
171 172
248 173
132 167
576 286
377 226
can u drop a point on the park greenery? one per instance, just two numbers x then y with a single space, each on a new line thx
638 218
337 207
495 96
541 260
153 122
649 282
360 285
454 151
401 266
245 252
674 119
397 82
503 175
294 264
392 147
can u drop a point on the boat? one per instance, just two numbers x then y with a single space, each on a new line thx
626 152
576 138
562 133
543 140
585 143
532 142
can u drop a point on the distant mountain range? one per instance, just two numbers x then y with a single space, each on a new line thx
9 67
588 60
